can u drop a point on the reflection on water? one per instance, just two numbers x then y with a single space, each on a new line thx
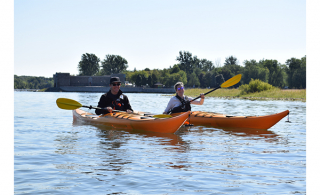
250 133
119 136
53 155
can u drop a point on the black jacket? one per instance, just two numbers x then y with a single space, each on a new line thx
116 102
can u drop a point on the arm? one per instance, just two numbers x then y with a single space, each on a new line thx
102 104
127 105
198 102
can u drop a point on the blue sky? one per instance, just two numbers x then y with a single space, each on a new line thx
51 36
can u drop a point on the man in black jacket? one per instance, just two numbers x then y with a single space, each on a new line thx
114 99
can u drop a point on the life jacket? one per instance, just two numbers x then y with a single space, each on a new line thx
184 107
118 104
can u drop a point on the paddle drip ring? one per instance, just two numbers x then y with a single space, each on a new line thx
288 119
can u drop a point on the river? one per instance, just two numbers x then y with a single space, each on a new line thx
52 155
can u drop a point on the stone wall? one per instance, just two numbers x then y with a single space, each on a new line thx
89 80
61 79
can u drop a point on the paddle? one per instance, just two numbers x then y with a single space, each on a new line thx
69 104
230 82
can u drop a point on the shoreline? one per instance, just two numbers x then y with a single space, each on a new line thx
282 95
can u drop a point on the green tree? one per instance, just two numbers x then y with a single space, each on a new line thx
206 65
210 79
231 60
31 82
296 72
171 79
230 69
138 81
150 81
193 80
113 64
186 61
155 78
276 73
175 69
89 65
254 70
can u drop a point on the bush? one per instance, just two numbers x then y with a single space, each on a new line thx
255 86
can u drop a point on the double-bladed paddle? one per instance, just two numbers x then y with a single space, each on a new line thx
69 104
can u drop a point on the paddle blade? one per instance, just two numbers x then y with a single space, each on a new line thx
234 80
68 104
162 116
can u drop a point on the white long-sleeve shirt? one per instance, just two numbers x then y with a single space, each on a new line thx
175 102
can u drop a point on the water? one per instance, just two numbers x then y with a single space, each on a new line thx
53 155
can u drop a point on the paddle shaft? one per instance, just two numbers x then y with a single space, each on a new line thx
206 93
91 107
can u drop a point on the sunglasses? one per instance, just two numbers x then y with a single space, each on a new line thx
180 88
116 84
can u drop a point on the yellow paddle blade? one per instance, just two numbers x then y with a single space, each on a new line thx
234 80
162 116
68 104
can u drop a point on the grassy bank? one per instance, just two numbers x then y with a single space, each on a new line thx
274 94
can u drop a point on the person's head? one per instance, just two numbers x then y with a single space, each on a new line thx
115 85
179 88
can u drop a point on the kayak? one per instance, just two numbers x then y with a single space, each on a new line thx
225 121
128 121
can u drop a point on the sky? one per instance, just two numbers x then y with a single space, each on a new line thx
51 36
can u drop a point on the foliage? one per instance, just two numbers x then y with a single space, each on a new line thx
89 65
255 85
114 64
187 63
276 73
193 80
195 72
174 69
31 82
296 70
231 60
254 70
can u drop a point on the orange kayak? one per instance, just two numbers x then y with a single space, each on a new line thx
127 121
222 121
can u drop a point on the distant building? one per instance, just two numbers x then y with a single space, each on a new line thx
64 79
158 85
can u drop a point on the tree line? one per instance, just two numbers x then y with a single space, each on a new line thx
203 73
189 69
31 82
195 72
